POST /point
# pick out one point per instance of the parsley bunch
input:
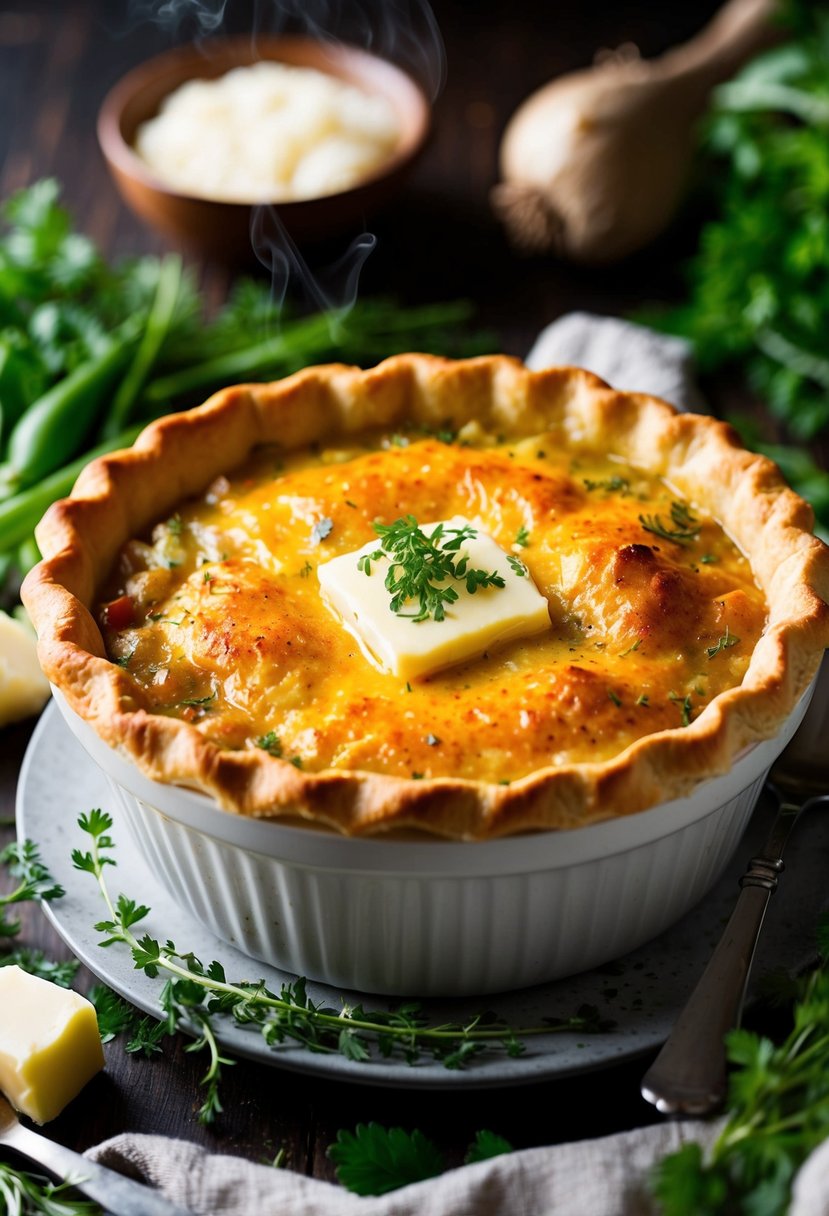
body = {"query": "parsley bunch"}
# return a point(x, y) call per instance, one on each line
point(779, 1113)
point(419, 565)
point(759, 282)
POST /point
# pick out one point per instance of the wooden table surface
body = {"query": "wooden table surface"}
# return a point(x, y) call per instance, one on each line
point(439, 241)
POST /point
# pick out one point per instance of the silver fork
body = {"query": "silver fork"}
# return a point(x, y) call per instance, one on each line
point(119, 1195)
point(689, 1076)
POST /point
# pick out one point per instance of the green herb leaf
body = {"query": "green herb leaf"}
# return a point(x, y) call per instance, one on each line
point(373, 1160)
point(517, 565)
point(522, 537)
point(36, 883)
point(486, 1145)
point(270, 743)
point(725, 643)
point(685, 525)
point(685, 706)
point(612, 485)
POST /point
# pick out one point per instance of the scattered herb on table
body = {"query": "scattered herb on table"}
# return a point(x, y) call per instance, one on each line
point(23, 862)
point(198, 996)
point(373, 1160)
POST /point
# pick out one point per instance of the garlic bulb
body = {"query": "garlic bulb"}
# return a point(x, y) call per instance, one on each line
point(595, 162)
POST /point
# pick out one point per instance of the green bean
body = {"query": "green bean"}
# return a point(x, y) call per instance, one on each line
point(303, 337)
point(156, 330)
point(18, 515)
point(56, 425)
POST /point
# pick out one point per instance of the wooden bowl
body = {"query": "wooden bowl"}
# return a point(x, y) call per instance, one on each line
point(222, 229)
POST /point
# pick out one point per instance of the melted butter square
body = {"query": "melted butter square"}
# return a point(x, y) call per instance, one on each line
point(472, 623)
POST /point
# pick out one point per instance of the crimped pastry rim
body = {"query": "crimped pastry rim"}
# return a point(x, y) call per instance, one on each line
point(119, 494)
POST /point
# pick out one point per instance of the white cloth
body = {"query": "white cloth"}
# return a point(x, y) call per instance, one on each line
point(627, 356)
point(606, 1177)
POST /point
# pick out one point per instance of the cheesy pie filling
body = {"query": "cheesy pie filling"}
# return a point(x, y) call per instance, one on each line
point(219, 618)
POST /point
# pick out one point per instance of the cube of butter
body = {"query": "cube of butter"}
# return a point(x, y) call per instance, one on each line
point(49, 1044)
point(474, 622)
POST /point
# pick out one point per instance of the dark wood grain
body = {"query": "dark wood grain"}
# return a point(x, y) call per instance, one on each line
point(57, 59)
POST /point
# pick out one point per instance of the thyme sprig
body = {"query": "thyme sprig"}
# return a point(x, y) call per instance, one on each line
point(419, 564)
point(686, 526)
point(198, 996)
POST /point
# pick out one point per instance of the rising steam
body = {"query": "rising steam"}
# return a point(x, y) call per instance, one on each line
point(404, 31)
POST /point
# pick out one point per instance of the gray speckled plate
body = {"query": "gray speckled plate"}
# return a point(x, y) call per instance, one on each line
point(642, 992)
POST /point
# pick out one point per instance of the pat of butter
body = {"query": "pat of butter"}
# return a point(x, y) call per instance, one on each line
point(24, 688)
point(409, 648)
point(49, 1044)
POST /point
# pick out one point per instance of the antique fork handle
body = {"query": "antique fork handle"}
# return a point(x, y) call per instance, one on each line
point(688, 1077)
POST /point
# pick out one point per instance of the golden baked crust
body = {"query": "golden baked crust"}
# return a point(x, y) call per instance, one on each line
point(118, 496)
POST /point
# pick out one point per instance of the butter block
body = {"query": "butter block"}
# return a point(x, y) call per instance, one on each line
point(411, 649)
point(49, 1044)
point(24, 688)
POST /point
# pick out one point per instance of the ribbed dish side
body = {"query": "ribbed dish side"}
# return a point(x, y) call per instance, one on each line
point(438, 935)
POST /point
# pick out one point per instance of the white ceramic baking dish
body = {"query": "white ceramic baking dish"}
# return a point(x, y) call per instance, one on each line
point(429, 917)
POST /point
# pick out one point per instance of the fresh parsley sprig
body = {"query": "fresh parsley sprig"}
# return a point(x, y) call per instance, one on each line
point(420, 564)
point(196, 996)
point(374, 1160)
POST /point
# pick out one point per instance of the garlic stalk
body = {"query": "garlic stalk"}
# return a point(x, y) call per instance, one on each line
point(595, 162)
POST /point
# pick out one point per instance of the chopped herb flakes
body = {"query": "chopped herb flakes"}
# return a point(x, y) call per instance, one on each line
point(321, 529)
point(517, 566)
point(725, 643)
point(631, 649)
point(306, 570)
point(615, 698)
point(270, 743)
point(685, 706)
point(685, 528)
point(522, 537)
point(611, 485)
point(199, 702)
point(296, 761)
point(643, 699)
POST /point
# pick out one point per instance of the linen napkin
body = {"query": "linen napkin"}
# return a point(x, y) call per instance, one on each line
point(604, 1177)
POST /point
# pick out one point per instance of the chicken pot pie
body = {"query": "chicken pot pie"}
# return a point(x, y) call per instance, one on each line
point(457, 596)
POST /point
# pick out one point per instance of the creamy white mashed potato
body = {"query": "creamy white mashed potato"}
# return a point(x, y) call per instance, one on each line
point(267, 132)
